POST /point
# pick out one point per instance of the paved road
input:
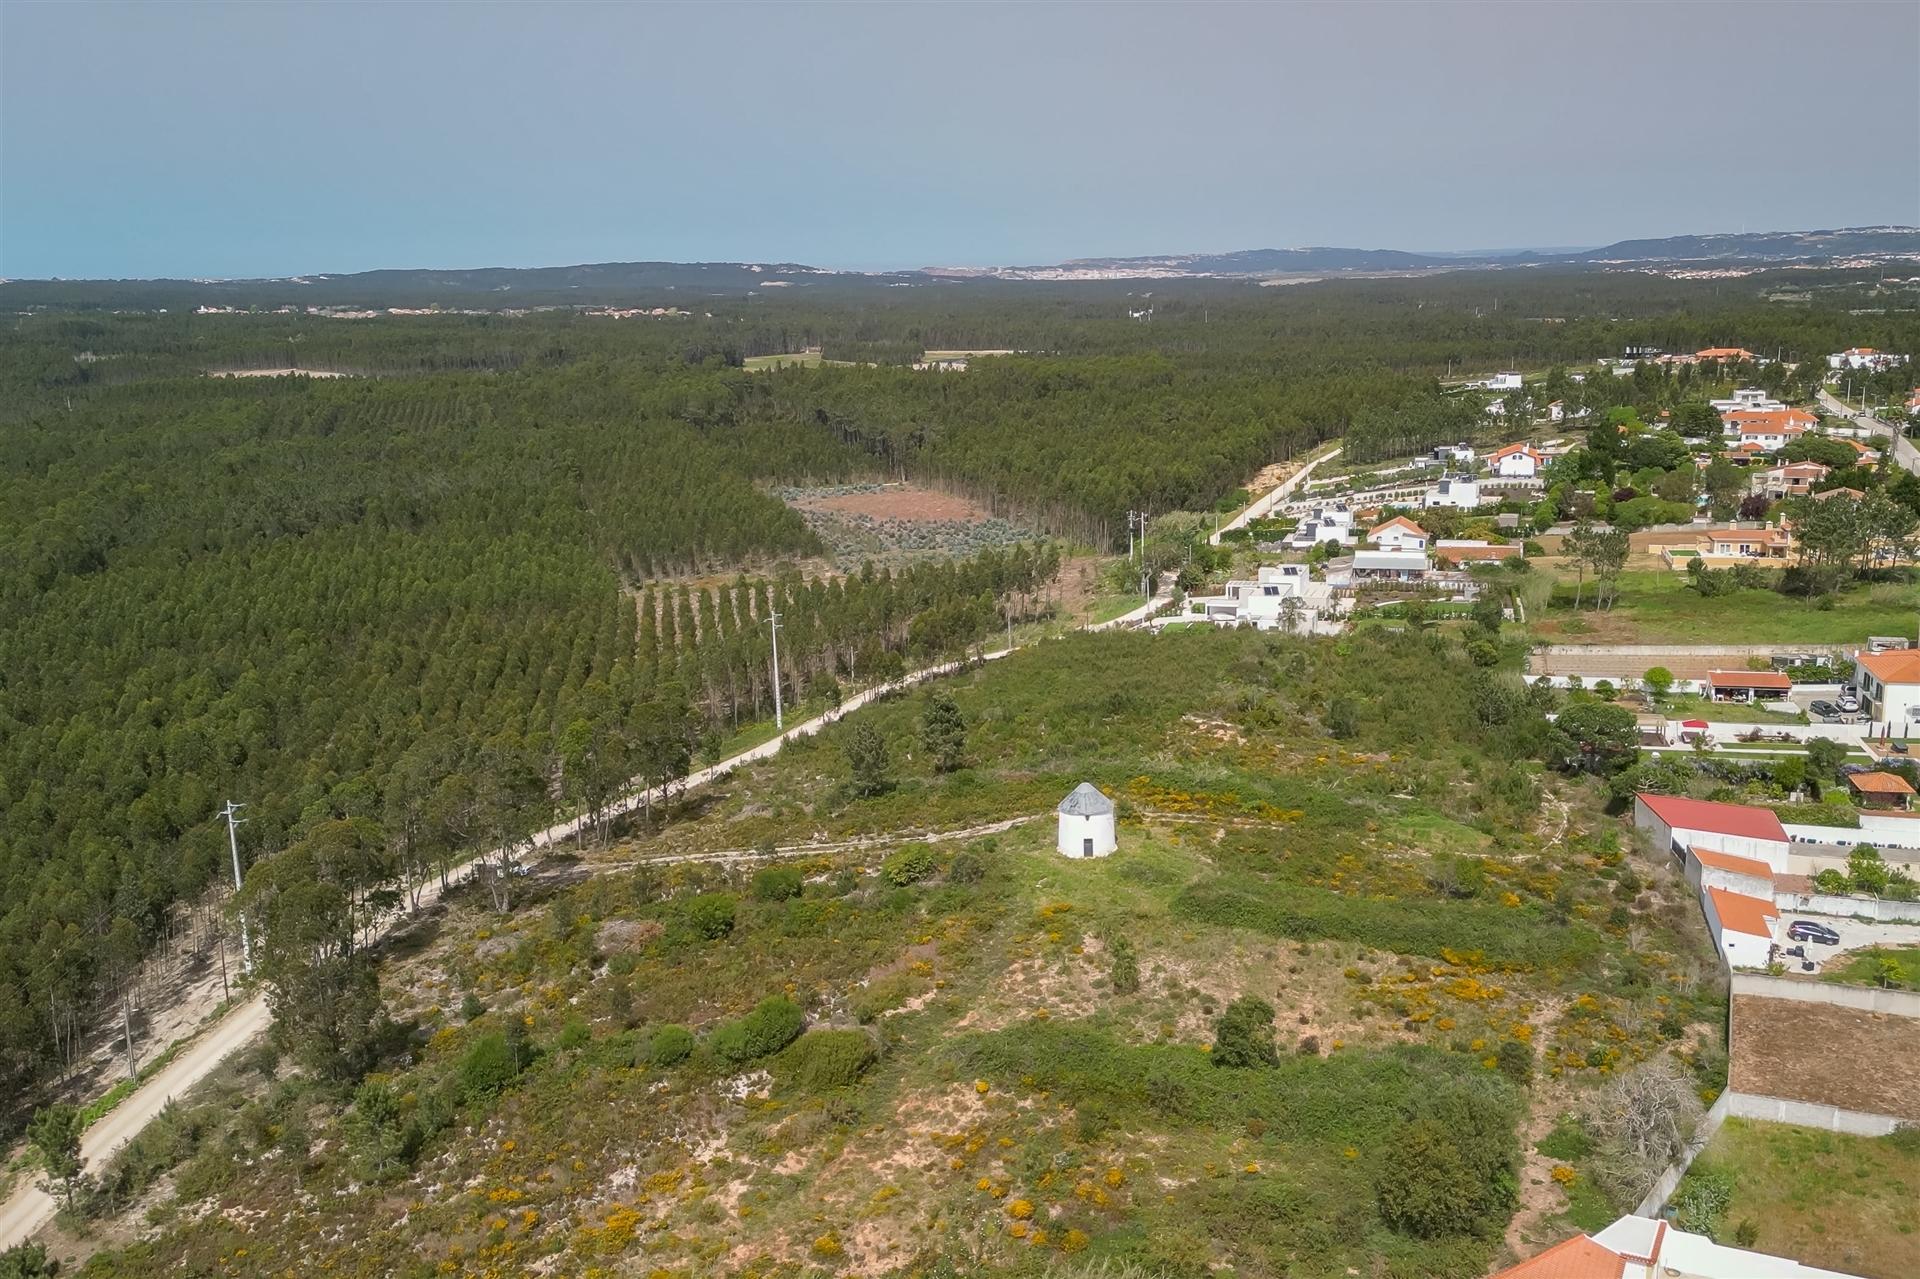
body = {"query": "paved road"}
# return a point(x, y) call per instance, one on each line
point(1261, 505)
point(29, 1208)
point(1905, 455)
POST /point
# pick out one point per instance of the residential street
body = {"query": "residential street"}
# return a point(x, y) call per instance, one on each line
point(1905, 454)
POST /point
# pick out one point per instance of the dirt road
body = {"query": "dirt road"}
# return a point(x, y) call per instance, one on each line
point(1262, 505)
point(30, 1208)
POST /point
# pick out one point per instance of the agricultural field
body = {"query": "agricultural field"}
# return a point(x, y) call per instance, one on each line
point(1827, 1199)
point(833, 1017)
point(888, 523)
point(1661, 607)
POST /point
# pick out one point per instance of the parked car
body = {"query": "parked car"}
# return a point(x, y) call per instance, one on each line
point(1807, 930)
point(1824, 708)
point(1849, 698)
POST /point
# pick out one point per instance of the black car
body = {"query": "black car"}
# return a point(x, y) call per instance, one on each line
point(1824, 708)
point(1807, 930)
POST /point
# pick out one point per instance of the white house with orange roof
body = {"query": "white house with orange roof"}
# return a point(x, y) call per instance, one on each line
point(1649, 1248)
point(1889, 685)
point(1865, 357)
point(1519, 461)
point(1398, 534)
point(1794, 479)
point(1678, 824)
point(1770, 428)
point(1742, 926)
point(1863, 456)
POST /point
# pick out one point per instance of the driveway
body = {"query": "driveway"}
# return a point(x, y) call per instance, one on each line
point(1854, 935)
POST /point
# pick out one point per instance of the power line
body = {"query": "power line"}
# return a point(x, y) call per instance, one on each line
point(234, 820)
point(779, 716)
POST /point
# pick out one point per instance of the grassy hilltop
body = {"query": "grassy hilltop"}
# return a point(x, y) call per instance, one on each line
point(939, 1056)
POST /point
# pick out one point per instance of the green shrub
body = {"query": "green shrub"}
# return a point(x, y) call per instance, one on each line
point(27, 1261)
point(710, 915)
point(884, 994)
point(968, 867)
point(670, 1045)
point(1125, 973)
point(1702, 1199)
point(825, 1059)
point(1516, 1061)
point(908, 865)
point(775, 1022)
point(777, 883)
point(1568, 1141)
point(471, 1007)
point(488, 1068)
point(1450, 1168)
point(575, 1034)
point(1243, 1036)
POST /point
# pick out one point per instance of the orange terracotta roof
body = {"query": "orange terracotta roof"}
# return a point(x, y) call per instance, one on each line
point(1745, 820)
point(1749, 679)
point(1508, 450)
point(1727, 861)
point(1740, 913)
point(1897, 666)
point(1724, 353)
point(1576, 1258)
point(1398, 521)
point(1880, 783)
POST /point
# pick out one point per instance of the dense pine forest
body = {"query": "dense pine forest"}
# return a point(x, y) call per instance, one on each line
point(428, 594)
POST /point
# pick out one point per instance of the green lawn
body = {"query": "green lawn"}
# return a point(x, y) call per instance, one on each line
point(1107, 607)
point(802, 359)
point(1823, 1199)
point(1863, 970)
point(1662, 607)
point(1727, 712)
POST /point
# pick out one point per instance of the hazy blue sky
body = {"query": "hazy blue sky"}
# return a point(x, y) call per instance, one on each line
point(256, 139)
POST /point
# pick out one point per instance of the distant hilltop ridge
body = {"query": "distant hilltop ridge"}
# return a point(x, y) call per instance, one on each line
point(1750, 247)
point(624, 283)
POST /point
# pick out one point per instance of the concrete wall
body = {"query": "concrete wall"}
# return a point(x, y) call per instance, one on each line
point(1805, 1114)
point(1771, 851)
point(1874, 908)
point(1670, 1179)
point(1731, 881)
point(1898, 1003)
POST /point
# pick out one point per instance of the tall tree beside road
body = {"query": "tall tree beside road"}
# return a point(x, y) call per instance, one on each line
point(54, 1133)
point(309, 906)
point(1607, 552)
point(1578, 547)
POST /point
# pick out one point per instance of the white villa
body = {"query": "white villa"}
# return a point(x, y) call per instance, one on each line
point(1864, 357)
point(1261, 602)
point(1748, 399)
point(1326, 524)
point(1455, 490)
point(1516, 461)
point(1398, 534)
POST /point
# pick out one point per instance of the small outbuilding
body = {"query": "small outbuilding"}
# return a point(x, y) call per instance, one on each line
point(1086, 823)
